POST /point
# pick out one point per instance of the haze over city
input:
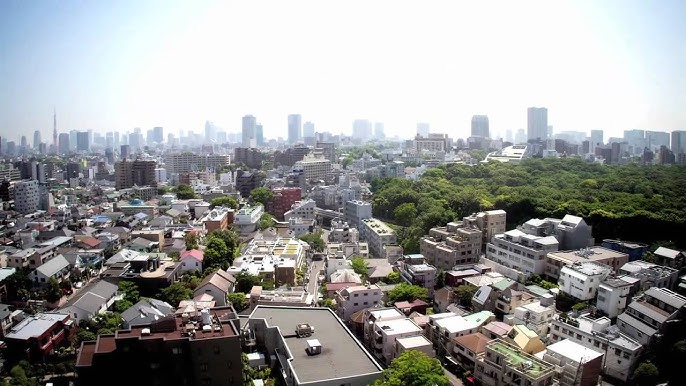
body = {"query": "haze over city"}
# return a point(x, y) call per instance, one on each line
point(610, 65)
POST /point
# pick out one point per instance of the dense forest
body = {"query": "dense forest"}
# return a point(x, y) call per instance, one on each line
point(628, 202)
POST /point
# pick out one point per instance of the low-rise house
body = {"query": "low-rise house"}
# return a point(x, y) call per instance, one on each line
point(417, 305)
point(495, 329)
point(574, 363)
point(97, 300)
point(142, 245)
point(669, 257)
point(597, 333)
point(646, 315)
point(352, 299)
point(37, 336)
point(505, 364)
point(145, 312)
point(22, 258)
point(4, 274)
point(219, 284)
point(536, 315)
point(373, 315)
point(191, 260)
point(525, 339)
point(468, 348)
point(443, 298)
point(443, 328)
point(416, 343)
point(57, 268)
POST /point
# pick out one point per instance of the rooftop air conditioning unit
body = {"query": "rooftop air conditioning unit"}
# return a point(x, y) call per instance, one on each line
point(314, 347)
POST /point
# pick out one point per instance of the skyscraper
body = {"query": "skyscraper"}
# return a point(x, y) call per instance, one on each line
point(294, 128)
point(63, 144)
point(656, 139)
point(210, 132)
point(423, 129)
point(249, 131)
point(678, 142)
point(54, 128)
point(362, 129)
point(308, 130)
point(259, 134)
point(158, 134)
point(537, 123)
point(82, 141)
point(379, 132)
point(480, 126)
point(36, 139)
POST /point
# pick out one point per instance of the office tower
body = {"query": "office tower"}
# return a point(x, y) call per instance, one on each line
point(130, 173)
point(148, 138)
point(259, 134)
point(362, 129)
point(125, 151)
point(116, 143)
point(509, 137)
point(109, 139)
point(54, 128)
point(210, 132)
point(72, 139)
point(308, 129)
point(26, 196)
point(597, 139)
point(42, 148)
point(423, 130)
point(158, 134)
point(135, 141)
point(678, 142)
point(379, 132)
point(82, 141)
point(549, 132)
point(221, 135)
point(480, 126)
point(249, 131)
point(657, 139)
point(520, 137)
point(294, 128)
point(537, 123)
point(36, 139)
point(23, 142)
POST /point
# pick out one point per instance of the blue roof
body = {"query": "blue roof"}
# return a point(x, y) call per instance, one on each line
point(136, 201)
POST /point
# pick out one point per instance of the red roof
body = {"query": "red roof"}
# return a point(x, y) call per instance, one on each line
point(90, 241)
point(338, 286)
point(195, 253)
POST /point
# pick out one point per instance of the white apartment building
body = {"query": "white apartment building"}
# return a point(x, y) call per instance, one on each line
point(385, 333)
point(647, 314)
point(581, 280)
point(353, 299)
point(452, 245)
point(341, 232)
point(521, 251)
point(443, 328)
point(490, 222)
point(414, 270)
point(377, 234)
point(536, 315)
point(299, 226)
point(505, 364)
point(26, 196)
point(554, 261)
point(599, 335)
point(313, 168)
point(248, 217)
point(574, 363)
point(160, 175)
point(612, 296)
point(302, 209)
point(650, 275)
point(356, 211)
point(188, 162)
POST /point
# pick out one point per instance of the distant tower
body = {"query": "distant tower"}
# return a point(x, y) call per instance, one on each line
point(54, 128)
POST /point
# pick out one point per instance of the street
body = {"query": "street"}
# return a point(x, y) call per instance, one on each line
point(313, 270)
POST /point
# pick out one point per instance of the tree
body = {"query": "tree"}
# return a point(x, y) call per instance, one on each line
point(230, 238)
point(130, 290)
point(646, 374)
point(216, 254)
point(440, 279)
point(238, 300)
point(225, 201)
point(191, 239)
point(359, 266)
point(407, 292)
point(84, 336)
point(175, 293)
point(393, 278)
point(18, 286)
point(261, 196)
point(327, 303)
point(266, 221)
point(413, 368)
point(121, 306)
point(53, 292)
point(314, 240)
point(405, 214)
point(465, 293)
point(245, 281)
point(185, 192)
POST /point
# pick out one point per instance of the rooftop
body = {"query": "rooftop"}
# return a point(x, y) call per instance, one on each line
point(574, 351)
point(398, 326)
point(342, 355)
point(587, 254)
point(521, 362)
point(36, 325)
point(413, 342)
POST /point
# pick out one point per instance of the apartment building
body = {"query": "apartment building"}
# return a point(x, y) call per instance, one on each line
point(342, 232)
point(443, 328)
point(651, 275)
point(37, 336)
point(26, 196)
point(446, 247)
point(521, 251)
point(301, 209)
point(536, 315)
point(490, 223)
point(571, 232)
point(574, 363)
point(299, 226)
point(246, 182)
point(597, 333)
point(414, 270)
point(612, 296)
point(138, 172)
point(282, 200)
point(356, 211)
point(377, 234)
point(504, 364)
point(646, 315)
point(582, 279)
point(273, 260)
point(313, 168)
point(554, 261)
point(353, 299)
point(219, 218)
point(385, 334)
point(248, 217)
point(188, 162)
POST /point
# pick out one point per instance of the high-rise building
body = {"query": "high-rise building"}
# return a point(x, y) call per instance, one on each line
point(23, 143)
point(158, 134)
point(596, 140)
point(423, 129)
point(480, 126)
point(308, 130)
point(259, 134)
point(210, 132)
point(82, 141)
point(138, 172)
point(537, 123)
point(657, 139)
point(362, 129)
point(26, 197)
point(135, 141)
point(379, 132)
point(294, 128)
point(125, 151)
point(54, 129)
point(72, 139)
point(36, 139)
point(678, 142)
point(249, 131)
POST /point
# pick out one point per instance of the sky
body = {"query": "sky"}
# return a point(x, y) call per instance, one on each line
point(116, 65)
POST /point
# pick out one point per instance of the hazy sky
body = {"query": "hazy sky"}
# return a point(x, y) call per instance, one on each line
point(116, 65)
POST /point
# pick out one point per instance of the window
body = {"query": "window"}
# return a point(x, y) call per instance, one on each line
point(355, 295)
point(177, 350)
point(354, 304)
point(203, 367)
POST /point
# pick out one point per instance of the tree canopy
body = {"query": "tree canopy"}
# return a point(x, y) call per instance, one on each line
point(175, 293)
point(408, 292)
point(413, 368)
point(185, 192)
point(646, 374)
point(221, 248)
point(266, 221)
point(261, 195)
point(226, 201)
point(359, 265)
point(315, 240)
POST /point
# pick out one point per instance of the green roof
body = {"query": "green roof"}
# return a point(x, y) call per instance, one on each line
point(536, 290)
point(479, 317)
point(520, 361)
point(503, 284)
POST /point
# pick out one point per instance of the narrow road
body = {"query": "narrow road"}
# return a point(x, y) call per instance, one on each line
point(313, 270)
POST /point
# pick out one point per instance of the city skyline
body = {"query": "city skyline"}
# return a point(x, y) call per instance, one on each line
point(610, 65)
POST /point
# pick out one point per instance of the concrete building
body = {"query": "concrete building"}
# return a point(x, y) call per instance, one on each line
point(199, 349)
point(219, 218)
point(571, 232)
point(301, 209)
point(648, 314)
point(38, 336)
point(480, 126)
point(520, 251)
point(387, 332)
point(490, 223)
point(452, 245)
point(510, 154)
point(248, 217)
point(443, 328)
point(249, 156)
point(341, 232)
point(313, 168)
point(273, 260)
point(574, 363)
point(356, 298)
point(537, 123)
point(504, 364)
point(633, 249)
point(187, 162)
point(612, 296)
point(582, 279)
point(294, 128)
point(26, 196)
point(282, 200)
point(554, 261)
point(621, 351)
point(138, 172)
point(327, 354)
point(356, 211)
point(651, 275)
point(535, 315)
point(414, 270)
point(299, 226)
point(377, 234)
